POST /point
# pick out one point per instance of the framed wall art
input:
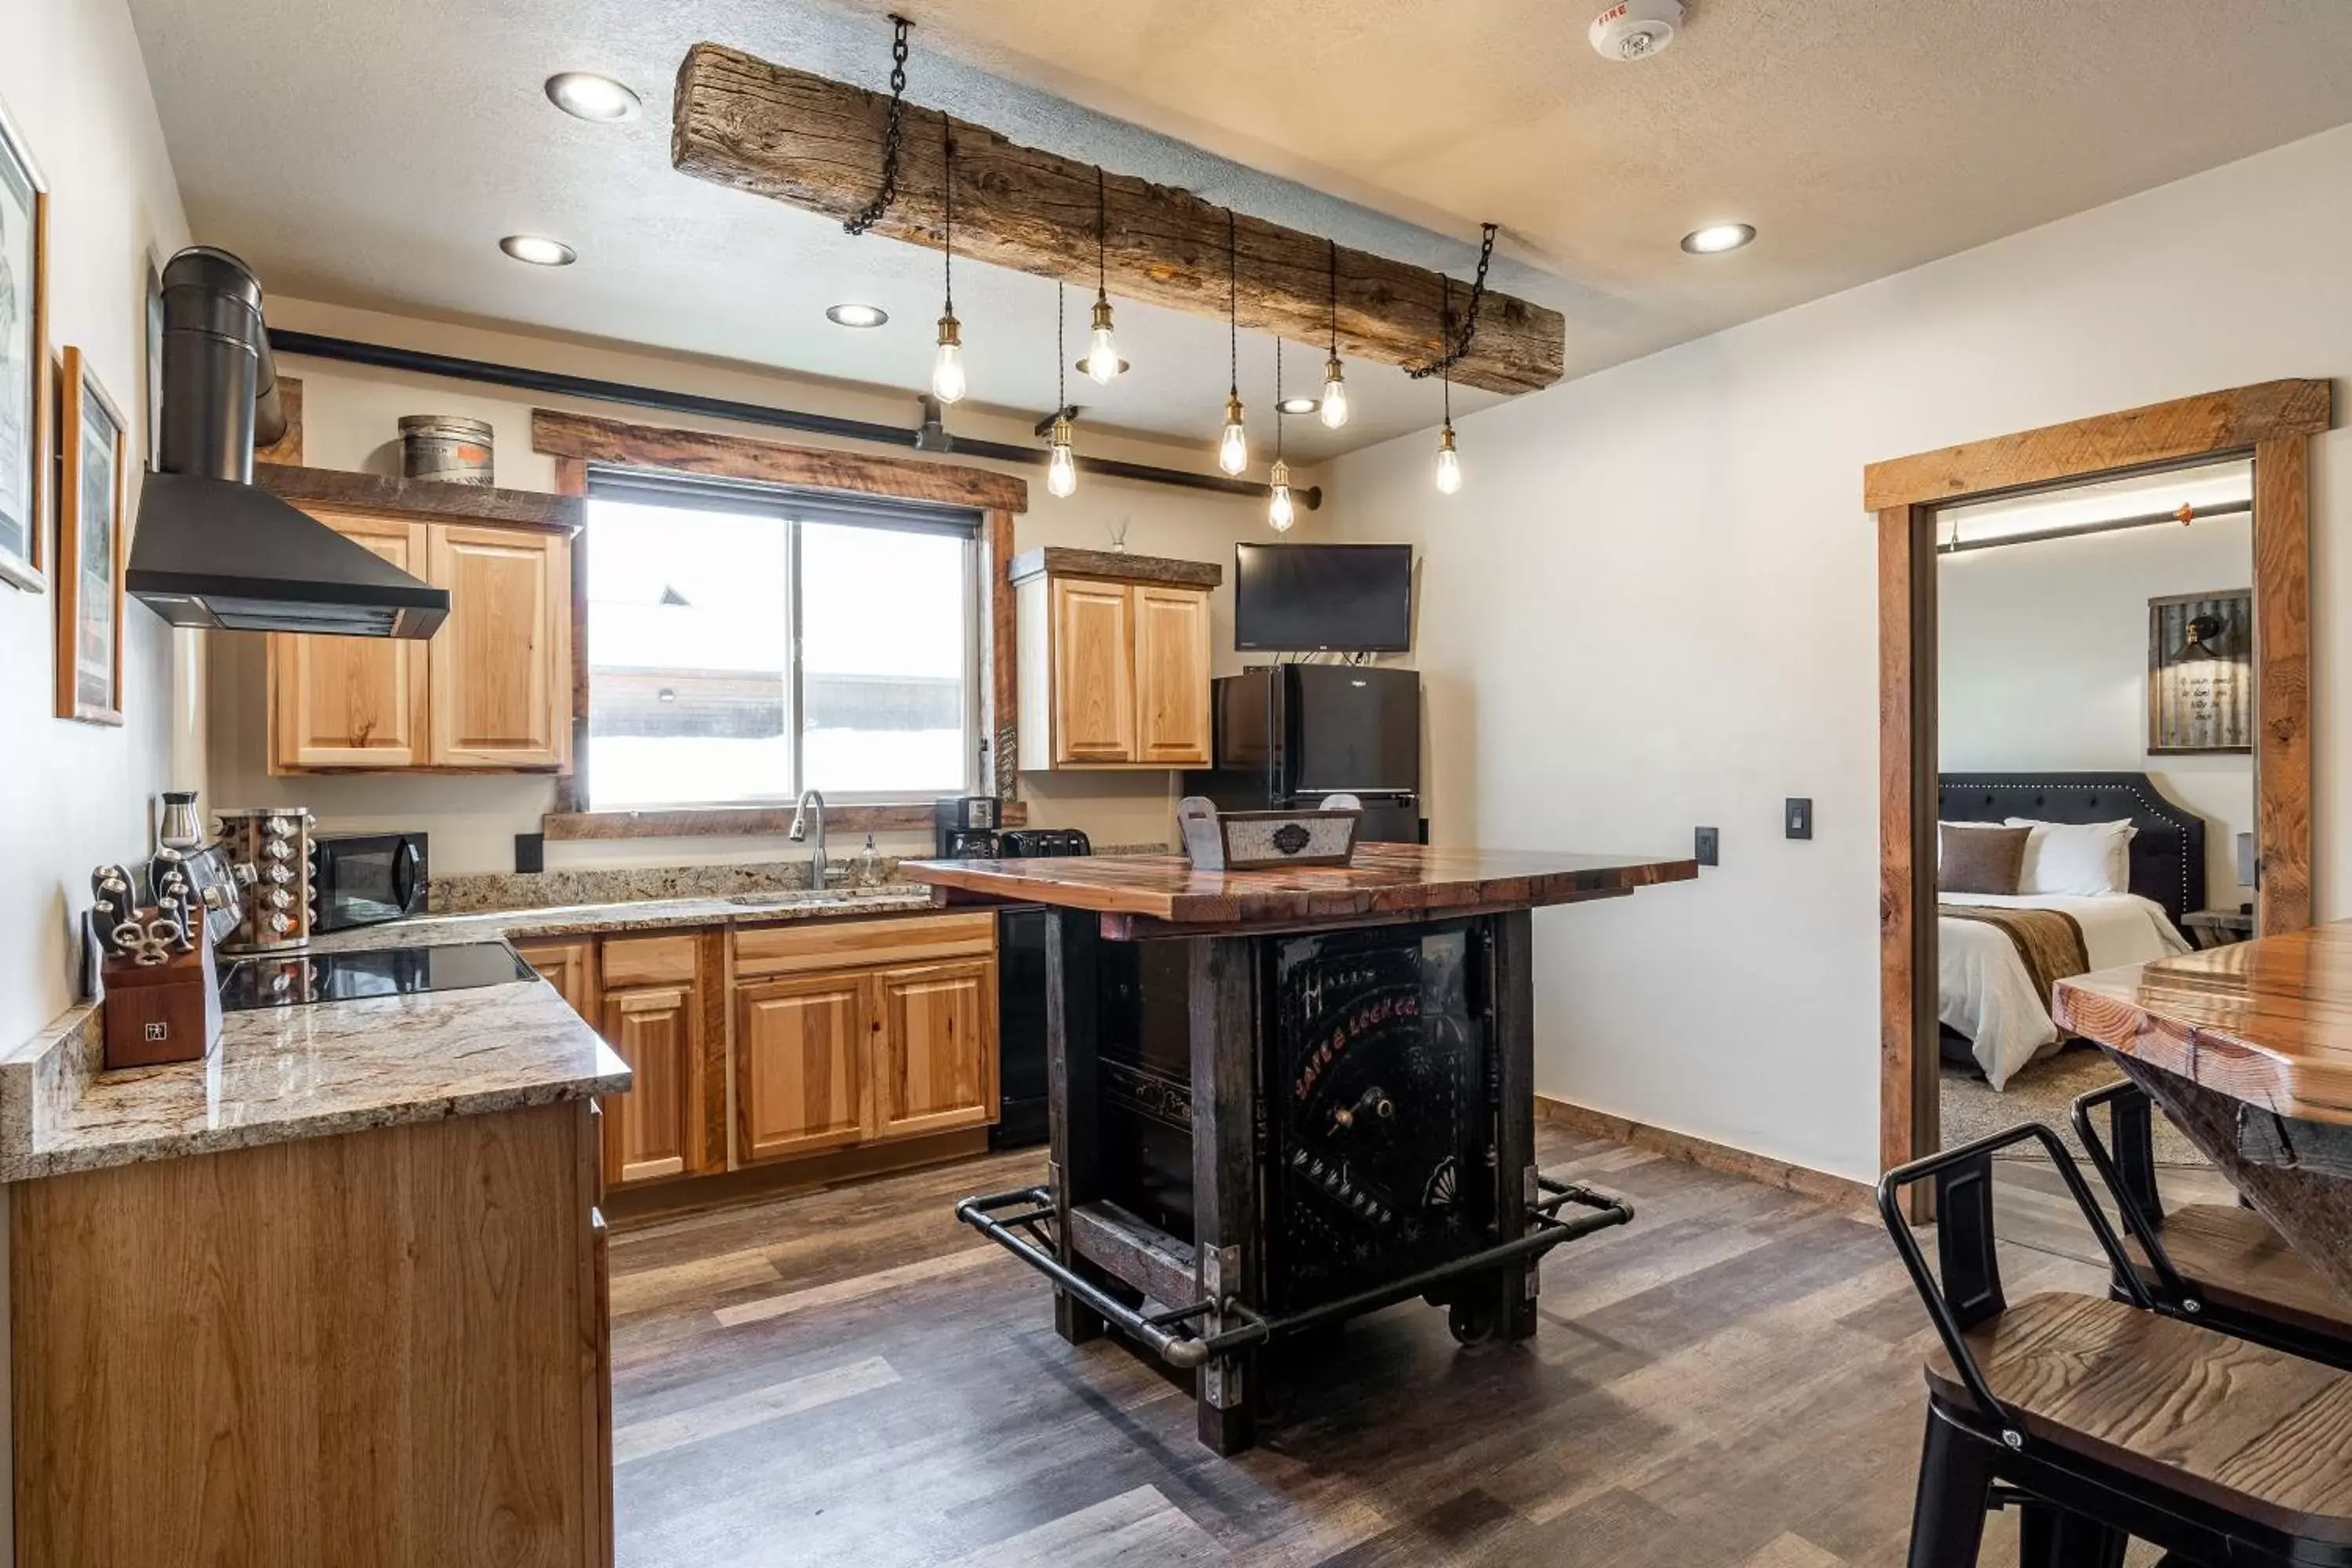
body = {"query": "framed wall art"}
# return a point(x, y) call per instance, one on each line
point(24, 439)
point(2201, 672)
point(94, 444)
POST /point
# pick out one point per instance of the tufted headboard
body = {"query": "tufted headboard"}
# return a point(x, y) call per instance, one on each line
point(2168, 853)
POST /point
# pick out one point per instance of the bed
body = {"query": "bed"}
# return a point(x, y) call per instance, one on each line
point(1993, 1013)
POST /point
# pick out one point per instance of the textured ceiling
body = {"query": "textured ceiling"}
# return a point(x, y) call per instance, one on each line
point(372, 153)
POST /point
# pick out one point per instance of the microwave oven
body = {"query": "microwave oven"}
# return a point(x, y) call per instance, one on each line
point(366, 878)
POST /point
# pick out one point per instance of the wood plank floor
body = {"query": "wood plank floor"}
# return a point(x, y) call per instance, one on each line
point(1731, 1382)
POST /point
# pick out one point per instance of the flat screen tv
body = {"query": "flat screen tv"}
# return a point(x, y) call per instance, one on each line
point(1305, 598)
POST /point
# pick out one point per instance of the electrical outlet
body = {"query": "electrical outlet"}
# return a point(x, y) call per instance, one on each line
point(1705, 842)
point(1801, 817)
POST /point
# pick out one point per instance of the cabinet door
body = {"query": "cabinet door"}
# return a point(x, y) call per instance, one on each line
point(570, 967)
point(935, 1047)
point(802, 1078)
point(501, 663)
point(1094, 673)
point(352, 703)
point(648, 1131)
point(1171, 676)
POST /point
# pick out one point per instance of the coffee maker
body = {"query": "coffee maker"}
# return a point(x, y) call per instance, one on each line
point(963, 828)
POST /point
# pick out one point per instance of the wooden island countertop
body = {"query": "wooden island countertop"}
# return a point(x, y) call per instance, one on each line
point(1144, 895)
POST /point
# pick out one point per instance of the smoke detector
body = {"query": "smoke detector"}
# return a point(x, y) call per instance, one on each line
point(1636, 29)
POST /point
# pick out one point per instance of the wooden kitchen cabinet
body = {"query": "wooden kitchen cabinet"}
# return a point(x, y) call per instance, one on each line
point(1171, 676)
point(491, 690)
point(934, 1047)
point(803, 1064)
point(1115, 654)
point(651, 1013)
point(353, 703)
point(649, 1131)
point(498, 688)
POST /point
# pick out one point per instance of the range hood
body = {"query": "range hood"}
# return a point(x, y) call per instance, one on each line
point(210, 549)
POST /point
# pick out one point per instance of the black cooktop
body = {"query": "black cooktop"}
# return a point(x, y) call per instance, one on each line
point(293, 980)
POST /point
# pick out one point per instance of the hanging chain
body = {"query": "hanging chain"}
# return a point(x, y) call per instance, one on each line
point(889, 191)
point(1102, 237)
point(1469, 315)
point(1061, 387)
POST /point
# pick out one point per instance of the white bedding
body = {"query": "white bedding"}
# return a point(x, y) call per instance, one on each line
point(1986, 992)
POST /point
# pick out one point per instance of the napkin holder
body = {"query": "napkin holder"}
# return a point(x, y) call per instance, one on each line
point(1264, 840)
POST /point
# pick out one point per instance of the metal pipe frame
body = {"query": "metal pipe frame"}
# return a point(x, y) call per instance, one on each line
point(1186, 1350)
point(416, 362)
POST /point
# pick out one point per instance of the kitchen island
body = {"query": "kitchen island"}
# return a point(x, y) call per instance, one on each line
point(1283, 1097)
point(334, 1294)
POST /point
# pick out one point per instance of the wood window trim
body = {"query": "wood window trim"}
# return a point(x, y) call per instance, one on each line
point(575, 440)
point(2270, 422)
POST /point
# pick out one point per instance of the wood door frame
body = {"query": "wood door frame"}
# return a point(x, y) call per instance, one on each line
point(2271, 423)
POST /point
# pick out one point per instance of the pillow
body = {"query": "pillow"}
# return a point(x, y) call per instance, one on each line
point(1939, 834)
point(1978, 859)
point(2084, 859)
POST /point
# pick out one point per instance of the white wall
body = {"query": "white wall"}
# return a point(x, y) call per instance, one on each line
point(2042, 664)
point(1654, 605)
point(72, 796)
point(350, 416)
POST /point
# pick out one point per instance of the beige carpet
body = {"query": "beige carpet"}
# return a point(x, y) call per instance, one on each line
point(2044, 1092)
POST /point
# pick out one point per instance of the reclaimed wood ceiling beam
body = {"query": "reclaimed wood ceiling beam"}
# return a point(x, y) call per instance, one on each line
point(817, 144)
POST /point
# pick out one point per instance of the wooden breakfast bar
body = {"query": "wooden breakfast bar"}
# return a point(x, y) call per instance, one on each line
point(1283, 1097)
point(2250, 1049)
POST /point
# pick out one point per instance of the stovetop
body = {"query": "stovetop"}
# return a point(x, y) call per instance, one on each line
point(294, 980)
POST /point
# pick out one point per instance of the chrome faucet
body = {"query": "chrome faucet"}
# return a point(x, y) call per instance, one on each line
point(798, 834)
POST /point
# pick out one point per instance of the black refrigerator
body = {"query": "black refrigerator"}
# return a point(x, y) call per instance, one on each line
point(1289, 734)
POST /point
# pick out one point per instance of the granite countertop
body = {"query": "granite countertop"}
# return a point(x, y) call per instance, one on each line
point(284, 1073)
point(632, 915)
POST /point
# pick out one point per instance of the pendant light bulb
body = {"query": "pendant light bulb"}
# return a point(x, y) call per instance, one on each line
point(1449, 464)
point(947, 368)
point(1102, 353)
point(1279, 512)
point(1232, 448)
point(1334, 394)
point(1061, 467)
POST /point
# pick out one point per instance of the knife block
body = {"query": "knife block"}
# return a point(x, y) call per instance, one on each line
point(168, 1012)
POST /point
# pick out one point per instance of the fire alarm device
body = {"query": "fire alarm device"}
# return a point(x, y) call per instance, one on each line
point(1636, 29)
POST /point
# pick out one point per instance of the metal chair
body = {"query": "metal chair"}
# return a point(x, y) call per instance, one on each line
point(2106, 1420)
point(2222, 1267)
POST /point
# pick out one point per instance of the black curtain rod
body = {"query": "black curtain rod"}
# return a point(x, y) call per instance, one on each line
point(312, 345)
point(2075, 530)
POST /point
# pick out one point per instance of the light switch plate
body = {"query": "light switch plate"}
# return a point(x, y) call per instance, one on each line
point(1704, 844)
point(1800, 817)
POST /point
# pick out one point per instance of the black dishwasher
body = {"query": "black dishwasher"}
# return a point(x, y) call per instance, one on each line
point(1022, 1118)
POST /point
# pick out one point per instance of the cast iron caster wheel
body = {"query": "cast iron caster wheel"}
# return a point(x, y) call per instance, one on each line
point(1472, 1322)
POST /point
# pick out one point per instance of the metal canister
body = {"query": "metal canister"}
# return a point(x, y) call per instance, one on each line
point(445, 449)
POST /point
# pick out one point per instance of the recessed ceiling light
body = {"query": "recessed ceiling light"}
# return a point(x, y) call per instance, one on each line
point(1297, 406)
point(1123, 366)
point(856, 315)
point(584, 95)
point(1717, 237)
point(539, 251)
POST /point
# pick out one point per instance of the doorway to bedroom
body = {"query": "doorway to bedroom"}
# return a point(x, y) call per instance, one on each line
point(2094, 782)
point(2028, 527)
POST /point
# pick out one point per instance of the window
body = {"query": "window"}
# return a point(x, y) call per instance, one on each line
point(746, 642)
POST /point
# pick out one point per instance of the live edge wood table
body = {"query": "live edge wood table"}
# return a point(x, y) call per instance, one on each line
point(1280, 1098)
point(2249, 1048)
